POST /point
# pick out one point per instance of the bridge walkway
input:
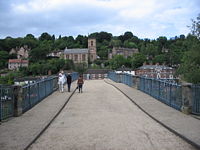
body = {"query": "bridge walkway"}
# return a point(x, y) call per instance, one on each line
point(99, 118)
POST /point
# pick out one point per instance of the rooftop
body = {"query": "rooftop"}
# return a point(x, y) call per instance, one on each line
point(154, 67)
point(76, 51)
point(17, 61)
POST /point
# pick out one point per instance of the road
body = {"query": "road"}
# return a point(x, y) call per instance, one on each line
point(102, 118)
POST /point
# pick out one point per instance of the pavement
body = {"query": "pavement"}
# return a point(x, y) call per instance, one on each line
point(185, 126)
point(101, 118)
point(18, 132)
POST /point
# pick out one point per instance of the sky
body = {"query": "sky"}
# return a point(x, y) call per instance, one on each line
point(144, 18)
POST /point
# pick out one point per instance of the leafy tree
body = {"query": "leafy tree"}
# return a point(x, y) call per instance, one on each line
point(30, 41)
point(115, 43)
point(127, 35)
point(129, 44)
point(45, 36)
point(3, 59)
point(137, 60)
point(159, 59)
point(195, 28)
point(82, 41)
point(117, 61)
point(190, 68)
point(40, 52)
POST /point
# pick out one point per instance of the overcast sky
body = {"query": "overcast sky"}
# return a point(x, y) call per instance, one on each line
point(144, 18)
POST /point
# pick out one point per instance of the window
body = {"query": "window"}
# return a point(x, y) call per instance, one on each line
point(83, 57)
point(67, 56)
point(76, 57)
point(92, 43)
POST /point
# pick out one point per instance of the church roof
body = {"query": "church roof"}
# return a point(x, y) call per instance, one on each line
point(76, 51)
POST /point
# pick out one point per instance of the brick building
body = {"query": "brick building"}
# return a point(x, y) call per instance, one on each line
point(155, 71)
point(15, 64)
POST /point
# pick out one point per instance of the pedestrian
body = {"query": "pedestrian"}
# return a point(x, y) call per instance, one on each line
point(80, 83)
point(69, 81)
point(61, 81)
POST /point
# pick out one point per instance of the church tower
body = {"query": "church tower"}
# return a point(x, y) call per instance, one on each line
point(92, 49)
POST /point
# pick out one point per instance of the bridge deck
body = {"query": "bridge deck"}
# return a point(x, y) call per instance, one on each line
point(99, 118)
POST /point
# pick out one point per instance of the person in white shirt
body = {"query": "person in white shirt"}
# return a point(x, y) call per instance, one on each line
point(61, 81)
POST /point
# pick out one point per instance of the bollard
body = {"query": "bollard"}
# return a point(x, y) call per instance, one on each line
point(18, 97)
point(186, 98)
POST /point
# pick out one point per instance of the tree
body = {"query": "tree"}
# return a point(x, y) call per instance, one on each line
point(4, 59)
point(129, 44)
point(159, 59)
point(190, 68)
point(115, 43)
point(117, 61)
point(40, 52)
point(45, 36)
point(137, 60)
point(128, 35)
point(195, 28)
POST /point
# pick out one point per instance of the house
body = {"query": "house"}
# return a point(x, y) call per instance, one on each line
point(22, 52)
point(155, 71)
point(15, 64)
point(126, 52)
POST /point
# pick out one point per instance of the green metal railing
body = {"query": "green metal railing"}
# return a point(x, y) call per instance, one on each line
point(6, 101)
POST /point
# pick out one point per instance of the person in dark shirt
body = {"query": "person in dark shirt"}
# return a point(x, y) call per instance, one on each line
point(80, 83)
point(69, 81)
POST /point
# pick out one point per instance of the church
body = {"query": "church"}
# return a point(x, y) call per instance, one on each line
point(82, 55)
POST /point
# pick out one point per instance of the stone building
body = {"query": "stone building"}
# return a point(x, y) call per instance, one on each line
point(15, 64)
point(155, 71)
point(22, 52)
point(122, 51)
point(80, 55)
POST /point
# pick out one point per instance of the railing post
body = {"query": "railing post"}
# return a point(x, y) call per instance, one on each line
point(186, 98)
point(137, 82)
point(18, 97)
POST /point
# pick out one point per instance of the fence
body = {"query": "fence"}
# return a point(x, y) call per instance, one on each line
point(122, 78)
point(29, 95)
point(164, 90)
point(35, 92)
point(196, 99)
point(6, 102)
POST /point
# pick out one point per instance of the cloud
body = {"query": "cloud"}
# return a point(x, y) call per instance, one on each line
point(145, 18)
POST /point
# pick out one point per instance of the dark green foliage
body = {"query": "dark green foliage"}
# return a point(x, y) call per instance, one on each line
point(3, 59)
point(190, 67)
point(137, 60)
